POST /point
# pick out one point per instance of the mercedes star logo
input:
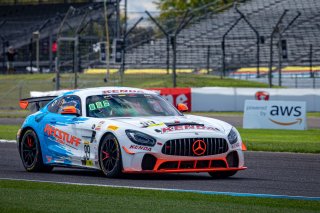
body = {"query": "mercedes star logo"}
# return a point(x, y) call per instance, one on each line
point(199, 147)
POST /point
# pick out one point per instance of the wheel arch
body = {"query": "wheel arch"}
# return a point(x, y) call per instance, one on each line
point(104, 136)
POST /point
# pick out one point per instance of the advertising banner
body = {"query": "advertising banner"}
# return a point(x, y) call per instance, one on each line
point(176, 95)
point(274, 115)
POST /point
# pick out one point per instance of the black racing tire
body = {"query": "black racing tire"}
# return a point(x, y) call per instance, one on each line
point(30, 153)
point(222, 175)
point(110, 156)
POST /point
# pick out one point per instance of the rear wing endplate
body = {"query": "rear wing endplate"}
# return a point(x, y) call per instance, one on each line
point(38, 102)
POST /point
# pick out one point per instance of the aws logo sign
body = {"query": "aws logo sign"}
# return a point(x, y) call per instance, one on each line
point(279, 112)
point(274, 115)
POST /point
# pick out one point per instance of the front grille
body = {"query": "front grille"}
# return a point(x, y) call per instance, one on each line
point(183, 147)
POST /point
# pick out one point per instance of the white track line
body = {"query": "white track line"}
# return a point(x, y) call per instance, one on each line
point(7, 141)
point(236, 194)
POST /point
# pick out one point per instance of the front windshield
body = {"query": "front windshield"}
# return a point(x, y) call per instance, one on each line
point(128, 105)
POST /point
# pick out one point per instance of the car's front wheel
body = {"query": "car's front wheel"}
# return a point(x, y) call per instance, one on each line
point(30, 152)
point(221, 175)
point(110, 156)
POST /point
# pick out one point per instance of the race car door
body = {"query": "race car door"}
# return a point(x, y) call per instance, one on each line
point(60, 132)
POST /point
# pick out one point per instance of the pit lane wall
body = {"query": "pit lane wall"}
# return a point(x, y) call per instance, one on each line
point(233, 99)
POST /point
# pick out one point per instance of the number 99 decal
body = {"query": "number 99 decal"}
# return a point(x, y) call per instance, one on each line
point(86, 149)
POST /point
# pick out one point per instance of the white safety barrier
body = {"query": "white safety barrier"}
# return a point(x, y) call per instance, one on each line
point(233, 99)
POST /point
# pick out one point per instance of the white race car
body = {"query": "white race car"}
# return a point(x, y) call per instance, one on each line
point(125, 130)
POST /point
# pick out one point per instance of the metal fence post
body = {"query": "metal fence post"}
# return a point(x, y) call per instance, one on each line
point(258, 39)
point(31, 54)
point(57, 68)
point(311, 72)
point(76, 61)
point(3, 48)
point(279, 60)
point(208, 59)
point(275, 29)
point(167, 37)
point(224, 48)
point(122, 69)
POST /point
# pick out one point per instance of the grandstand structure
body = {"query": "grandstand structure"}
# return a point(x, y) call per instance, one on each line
point(19, 20)
point(239, 39)
point(200, 44)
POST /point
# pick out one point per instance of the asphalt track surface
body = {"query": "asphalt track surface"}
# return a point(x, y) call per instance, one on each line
point(267, 173)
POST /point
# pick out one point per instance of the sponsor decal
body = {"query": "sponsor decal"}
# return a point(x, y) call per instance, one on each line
point(176, 95)
point(99, 105)
point(298, 120)
point(262, 95)
point(98, 127)
point(199, 147)
point(121, 91)
point(159, 124)
point(86, 149)
point(286, 111)
point(150, 124)
point(112, 128)
point(87, 162)
point(61, 137)
point(144, 148)
point(275, 115)
point(186, 127)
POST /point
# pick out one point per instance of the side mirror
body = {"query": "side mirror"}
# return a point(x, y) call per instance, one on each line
point(70, 110)
point(182, 108)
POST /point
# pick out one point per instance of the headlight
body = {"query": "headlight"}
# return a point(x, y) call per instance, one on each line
point(140, 138)
point(233, 136)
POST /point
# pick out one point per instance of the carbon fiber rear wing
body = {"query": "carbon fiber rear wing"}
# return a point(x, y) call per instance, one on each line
point(38, 102)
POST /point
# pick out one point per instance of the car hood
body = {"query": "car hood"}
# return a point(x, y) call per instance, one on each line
point(174, 124)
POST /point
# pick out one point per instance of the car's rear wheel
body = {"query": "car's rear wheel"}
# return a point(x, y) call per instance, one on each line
point(110, 157)
point(30, 152)
point(221, 175)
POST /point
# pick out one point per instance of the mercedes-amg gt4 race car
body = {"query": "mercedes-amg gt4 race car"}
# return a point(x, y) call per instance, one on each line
point(125, 130)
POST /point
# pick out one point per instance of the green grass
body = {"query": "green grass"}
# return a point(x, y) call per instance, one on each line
point(21, 196)
point(313, 114)
point(15, 87)
point(8, 132)
point(307, 141)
